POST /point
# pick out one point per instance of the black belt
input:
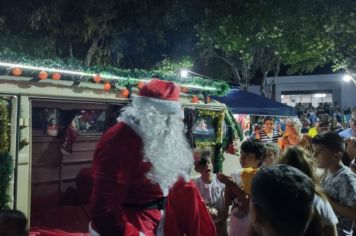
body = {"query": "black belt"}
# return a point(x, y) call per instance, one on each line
point(158, 204)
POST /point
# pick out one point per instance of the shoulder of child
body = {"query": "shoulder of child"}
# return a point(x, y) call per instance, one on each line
point(348, 185)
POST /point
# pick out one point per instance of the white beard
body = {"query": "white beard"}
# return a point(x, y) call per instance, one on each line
point(164, 142)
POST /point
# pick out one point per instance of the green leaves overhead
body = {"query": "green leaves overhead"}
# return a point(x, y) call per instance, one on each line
point(257, 34)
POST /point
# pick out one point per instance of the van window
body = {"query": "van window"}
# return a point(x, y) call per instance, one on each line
point(54, 121)
point(64, 137)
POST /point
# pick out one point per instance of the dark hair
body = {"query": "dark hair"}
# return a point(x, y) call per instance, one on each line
point(13, 222)
point(205, 157)
point(331, 140)
point(284, 196)
point(254, 146)
point(268, 118)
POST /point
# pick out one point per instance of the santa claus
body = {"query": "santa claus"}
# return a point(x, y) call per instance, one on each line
point(138, 161)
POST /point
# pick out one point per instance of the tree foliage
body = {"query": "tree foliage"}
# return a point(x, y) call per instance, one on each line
point(129, 34)
point(231, 40)
point(259, 35)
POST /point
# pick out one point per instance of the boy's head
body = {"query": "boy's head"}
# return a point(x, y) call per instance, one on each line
point(203, 165)
point(281, 200)
point(13, 223)
point(328, 149)
point(252, 154)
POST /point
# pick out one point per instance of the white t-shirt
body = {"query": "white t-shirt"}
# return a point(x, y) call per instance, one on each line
point(239, 221)
point(324, 209)
point(213, 193)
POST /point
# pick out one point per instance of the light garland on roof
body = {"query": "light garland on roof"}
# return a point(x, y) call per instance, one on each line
point(80, 73)
point(20, 64)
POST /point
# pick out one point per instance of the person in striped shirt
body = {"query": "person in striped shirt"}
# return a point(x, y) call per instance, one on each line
point(268, 134)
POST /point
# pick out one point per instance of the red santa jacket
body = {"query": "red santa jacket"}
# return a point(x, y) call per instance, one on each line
point(186, 213)
point(119, 180)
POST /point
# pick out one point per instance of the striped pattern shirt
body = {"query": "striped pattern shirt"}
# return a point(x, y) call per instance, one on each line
point(269, 139)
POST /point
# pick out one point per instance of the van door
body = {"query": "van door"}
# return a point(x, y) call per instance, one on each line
point(63, 140)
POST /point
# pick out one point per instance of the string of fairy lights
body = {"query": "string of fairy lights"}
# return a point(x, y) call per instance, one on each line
point(108, 79)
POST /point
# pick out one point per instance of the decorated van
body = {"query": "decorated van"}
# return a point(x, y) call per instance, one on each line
point(51, 120)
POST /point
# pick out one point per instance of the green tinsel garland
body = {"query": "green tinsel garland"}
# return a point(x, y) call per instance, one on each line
point(5, 159)
point(234, 132)
point(4, 127)
point(230, 121)
point(218, 158)
point(5, 178)
point(130, 77)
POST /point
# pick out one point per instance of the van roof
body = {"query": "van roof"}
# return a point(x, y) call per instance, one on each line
point(68, 90)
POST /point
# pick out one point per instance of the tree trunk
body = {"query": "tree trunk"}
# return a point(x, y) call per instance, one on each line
point(92, 49)
point(70, 51)
point(245, 80)
point(263, 83)
point(276, 73)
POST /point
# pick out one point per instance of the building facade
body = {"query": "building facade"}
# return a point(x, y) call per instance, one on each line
point(315, 89)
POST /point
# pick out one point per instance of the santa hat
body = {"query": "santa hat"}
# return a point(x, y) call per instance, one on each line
point(162, 95)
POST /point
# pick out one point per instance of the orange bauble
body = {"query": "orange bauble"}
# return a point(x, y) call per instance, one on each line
point(97, 79)
point(125, 93)
point(56, 76)
point(184, 89)
point(43, 75)
point(140, 84)
point(16, 71)
point(195, 99)
point(107, 87)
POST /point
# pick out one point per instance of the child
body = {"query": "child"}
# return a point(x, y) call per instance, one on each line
point(339, 182)
point(300, 159)
point(282, 203)
point(272, 152)
point(13, 223)
point(212, 191)
point(238, 186)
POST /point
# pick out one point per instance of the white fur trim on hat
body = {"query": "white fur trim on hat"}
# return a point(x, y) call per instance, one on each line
point(165, 106)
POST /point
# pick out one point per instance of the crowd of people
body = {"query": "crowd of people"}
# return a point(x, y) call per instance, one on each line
point(142, 185)
point(289, 143)
point(337, 117)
